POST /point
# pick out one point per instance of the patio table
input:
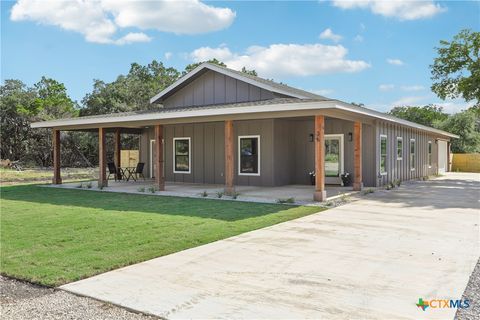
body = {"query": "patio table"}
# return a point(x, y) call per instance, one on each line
point(128, 172)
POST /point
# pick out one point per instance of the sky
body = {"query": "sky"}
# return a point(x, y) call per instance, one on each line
point(372, 52)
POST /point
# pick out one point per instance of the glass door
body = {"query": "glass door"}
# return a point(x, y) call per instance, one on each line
point(333, 158)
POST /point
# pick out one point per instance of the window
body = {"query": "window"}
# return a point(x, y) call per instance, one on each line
point(429, 154)
point(181, 155)
point(412, 154)
point(383, 154)
point(399, 148)
point(249, 155)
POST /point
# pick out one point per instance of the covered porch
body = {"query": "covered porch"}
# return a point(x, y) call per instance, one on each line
point(299, 194)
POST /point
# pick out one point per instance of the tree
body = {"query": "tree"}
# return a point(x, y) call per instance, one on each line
point(425, 115)
point(466, 125)
point(192, 66)
point(129, 92)
point(456, 70)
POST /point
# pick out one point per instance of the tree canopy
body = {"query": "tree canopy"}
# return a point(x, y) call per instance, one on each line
point(425, 115)
point(456, 70)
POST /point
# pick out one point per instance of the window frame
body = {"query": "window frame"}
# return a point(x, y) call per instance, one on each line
point(240, 173)
point(399, 139)
point(429, 153)
point(189, 155)
point(412, 163)
point(384, 173)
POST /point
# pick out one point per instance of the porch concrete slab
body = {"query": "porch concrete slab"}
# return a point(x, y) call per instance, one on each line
point(372, 258)
point(303, 194)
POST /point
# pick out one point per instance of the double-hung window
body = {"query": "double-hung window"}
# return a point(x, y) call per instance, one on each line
point(383, 154)
point(399, 148)
point(249, 155)
point(412, 154)
point(181, 155)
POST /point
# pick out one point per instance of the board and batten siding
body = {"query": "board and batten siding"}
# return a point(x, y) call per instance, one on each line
point(208, 151)
point(215, 88)
point(400, 169)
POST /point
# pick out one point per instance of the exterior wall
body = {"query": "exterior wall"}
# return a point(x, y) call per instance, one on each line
point(400, 169)
point(215, 88)
point(208, 151)
point(295, 154)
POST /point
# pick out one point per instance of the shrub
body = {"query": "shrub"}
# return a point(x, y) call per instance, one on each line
point(89, 185)
point(141, 189)
point(397, 182)
point(287, 200)
point(204, 194)
point(367, 191)
point(235, 195)
point(152, 189)
point(80, 186)
point(220, 194)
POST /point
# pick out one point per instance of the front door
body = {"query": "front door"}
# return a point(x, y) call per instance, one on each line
point(333, 158)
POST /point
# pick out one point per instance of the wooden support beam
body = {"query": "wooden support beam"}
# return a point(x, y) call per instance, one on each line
point(116, 152)
point(159, 164)
point(320, 193)
point(57, 179)
point(357, 156)
point(102, 159)
point(229, 156)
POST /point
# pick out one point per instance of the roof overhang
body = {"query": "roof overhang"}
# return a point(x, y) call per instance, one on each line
point(331, 108)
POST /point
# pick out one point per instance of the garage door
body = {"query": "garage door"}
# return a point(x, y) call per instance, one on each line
point(442, 157)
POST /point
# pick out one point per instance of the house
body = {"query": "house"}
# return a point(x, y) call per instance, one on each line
point(220, 126)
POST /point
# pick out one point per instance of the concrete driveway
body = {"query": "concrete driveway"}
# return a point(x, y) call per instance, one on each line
point(372, 258)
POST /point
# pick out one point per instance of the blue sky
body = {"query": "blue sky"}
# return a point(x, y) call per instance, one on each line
point(376, 53)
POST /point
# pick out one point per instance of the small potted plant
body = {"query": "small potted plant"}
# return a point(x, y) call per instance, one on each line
point(346, 179)
point(312, 177)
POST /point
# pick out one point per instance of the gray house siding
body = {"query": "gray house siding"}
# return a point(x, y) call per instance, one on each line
point(215, 88)
point(287, 154)
point(401, 169)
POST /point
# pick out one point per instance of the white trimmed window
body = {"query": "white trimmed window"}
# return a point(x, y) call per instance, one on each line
point(383, 154)
point(182, 155)
point(412, 154)
point(249, 155)
point(399, 148)
point(429, 154)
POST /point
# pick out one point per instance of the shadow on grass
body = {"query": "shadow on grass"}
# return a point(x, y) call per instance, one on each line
point(204, 208)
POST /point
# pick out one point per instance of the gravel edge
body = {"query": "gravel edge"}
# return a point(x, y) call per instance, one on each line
point(472, 293)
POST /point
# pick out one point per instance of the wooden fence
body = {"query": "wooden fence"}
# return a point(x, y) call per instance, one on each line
point(466, 162)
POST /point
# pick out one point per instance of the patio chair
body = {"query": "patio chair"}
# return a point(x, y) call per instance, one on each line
point(112, 169)
point(139, 171)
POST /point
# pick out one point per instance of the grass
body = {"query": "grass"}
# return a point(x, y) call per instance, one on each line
point(54, 236)
point(10, 176)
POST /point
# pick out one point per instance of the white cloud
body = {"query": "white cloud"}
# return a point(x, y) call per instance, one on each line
point(400, 9)
point(395, 62)
point(285, 59)
point(358, 38)
point(410, 100)
point(328, 34)
point(412, 88)
point(133, 37)
point(454, 106)
point(168, 55)
point(386, 87)
point(99, 21)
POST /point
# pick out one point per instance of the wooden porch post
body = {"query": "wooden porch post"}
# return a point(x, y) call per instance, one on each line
point(229, 156)
point(102, 159)
point(357, 156)
point(116, 153)
point(57, 179)
point(320, 193)
point(159, 178)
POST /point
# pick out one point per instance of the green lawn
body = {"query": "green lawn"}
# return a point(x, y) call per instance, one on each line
point(54, 236)
point(9, 176)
